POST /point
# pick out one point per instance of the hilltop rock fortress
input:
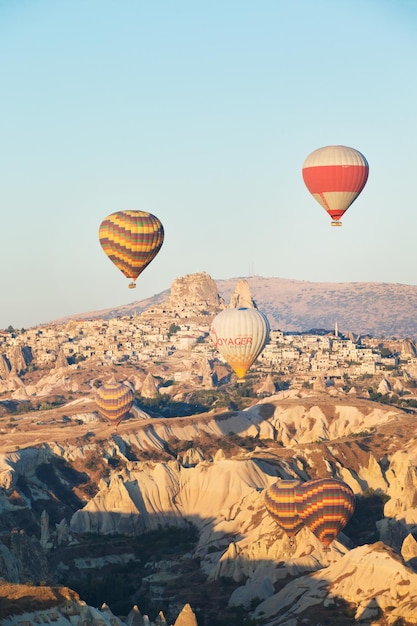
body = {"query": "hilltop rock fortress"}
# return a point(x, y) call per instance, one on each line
point(194, 290)
point(191, 295)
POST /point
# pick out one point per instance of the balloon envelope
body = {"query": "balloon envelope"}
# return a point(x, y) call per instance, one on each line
point(131, 240)
point(280, 503)
point(325, 505)
point(114, 400)
point(240, 336)
point(335, 176)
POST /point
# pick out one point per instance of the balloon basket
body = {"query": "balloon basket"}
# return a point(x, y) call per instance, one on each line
point(336, 223)
point(132, 285)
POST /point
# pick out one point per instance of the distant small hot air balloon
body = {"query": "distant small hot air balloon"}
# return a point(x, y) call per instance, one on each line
point(131, 240)
point(240, 336)
point(335, 176)
point(280, 503)
point(114, 400)
point(325, 506)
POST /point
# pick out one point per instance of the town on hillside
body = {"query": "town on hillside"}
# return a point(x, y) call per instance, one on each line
point(167, 349)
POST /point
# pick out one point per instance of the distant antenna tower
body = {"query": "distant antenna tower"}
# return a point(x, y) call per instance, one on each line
point(251, 268)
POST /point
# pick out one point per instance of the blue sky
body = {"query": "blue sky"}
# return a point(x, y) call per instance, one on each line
point(201, 113)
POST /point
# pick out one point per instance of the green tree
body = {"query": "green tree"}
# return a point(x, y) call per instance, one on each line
point(174, 328)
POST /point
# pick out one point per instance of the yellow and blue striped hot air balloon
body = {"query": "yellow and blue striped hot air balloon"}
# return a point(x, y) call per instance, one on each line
point(280, 503)
point(114, 400)
point(325, 505)
point(131, 240)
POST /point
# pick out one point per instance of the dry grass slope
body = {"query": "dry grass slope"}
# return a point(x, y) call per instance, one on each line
point(17, 599)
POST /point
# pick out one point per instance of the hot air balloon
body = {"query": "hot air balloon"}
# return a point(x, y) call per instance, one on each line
point(114, 400)
point(325, 506)
point(240, 336)
point(280, 503)
point(131, 240)
point(335, 176)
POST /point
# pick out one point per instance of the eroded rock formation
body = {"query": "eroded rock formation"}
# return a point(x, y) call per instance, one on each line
point(194, 291)
point(241, 297)
point(371, 447)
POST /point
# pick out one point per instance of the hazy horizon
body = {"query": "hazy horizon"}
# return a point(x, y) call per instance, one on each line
point(292, 305)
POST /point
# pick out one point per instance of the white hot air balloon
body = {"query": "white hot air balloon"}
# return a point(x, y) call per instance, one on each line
point(240, 336)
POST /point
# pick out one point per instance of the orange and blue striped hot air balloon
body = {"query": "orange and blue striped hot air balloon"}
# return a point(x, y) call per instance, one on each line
point(325, 505)
point(114, 400)
point(280, 503)
point(335, 176)
point(131, 240)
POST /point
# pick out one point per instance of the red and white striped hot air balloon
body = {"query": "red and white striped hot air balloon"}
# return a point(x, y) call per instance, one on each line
point(335, 176)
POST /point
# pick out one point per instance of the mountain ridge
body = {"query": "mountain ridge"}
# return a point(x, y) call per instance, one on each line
point(366, 308)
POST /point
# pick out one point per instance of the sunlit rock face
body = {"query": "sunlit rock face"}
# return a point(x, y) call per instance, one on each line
point(19, 359)
point(409, 551)
point(148, 495)
point(241, 297)
point(266, 387)
point(372, 578)
point(21, 463)
point(186, 617)
point(5, 367)
point(402, 479)
point(194, 290)
point(61, 360)
point(149, 387)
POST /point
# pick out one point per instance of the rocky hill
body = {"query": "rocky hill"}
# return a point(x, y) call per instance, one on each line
point(378, 309)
